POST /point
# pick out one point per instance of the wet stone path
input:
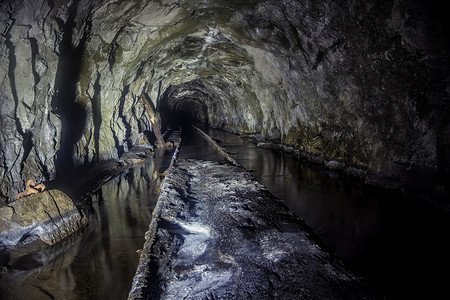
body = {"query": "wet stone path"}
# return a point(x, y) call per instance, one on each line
point(216, 233)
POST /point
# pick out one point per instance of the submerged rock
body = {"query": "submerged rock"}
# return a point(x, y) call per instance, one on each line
point(49, 216)
point(217, 233)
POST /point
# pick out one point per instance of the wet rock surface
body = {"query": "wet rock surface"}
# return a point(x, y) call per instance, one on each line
point(54, 215)
point(83, 183)
point(49, 216)
point(217, 233)
point(365, 85)
point(99, 261)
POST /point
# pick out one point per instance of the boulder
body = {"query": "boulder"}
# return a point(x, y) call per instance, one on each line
point(49, 216)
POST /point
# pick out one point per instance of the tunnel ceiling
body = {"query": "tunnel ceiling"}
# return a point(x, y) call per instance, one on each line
point(361, 84)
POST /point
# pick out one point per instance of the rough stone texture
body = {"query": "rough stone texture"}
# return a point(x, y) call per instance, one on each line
point(86, 182)
point(216, 233)
point(30, 132)
point(49, 216)
point(362, 84)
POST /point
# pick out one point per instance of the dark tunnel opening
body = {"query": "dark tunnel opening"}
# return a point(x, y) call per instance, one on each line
point(182, 110)
point(188, 112)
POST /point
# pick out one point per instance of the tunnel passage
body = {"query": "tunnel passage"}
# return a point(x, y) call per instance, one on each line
point(183, 106)
point(359, 87)
point(362, 88)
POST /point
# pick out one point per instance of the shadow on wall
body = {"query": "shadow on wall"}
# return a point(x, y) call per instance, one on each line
point(72, 113)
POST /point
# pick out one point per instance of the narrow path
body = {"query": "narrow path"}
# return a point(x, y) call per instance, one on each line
point(217, 233)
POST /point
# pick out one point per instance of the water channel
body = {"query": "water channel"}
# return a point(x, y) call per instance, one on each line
point(99, 262)
point(399, 246)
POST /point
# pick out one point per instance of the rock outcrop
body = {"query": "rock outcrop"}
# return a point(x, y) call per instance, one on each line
point(361, 84)
point(49, 216)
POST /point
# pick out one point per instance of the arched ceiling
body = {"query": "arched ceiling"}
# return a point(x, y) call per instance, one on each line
point(194, 50)
point(361, 84)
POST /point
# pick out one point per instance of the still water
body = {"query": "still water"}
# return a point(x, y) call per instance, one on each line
point(399, 246)
point(100, 261)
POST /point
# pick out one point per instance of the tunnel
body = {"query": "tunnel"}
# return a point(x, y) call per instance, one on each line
point(370, 94)
point(361, 89)
point(184, 107)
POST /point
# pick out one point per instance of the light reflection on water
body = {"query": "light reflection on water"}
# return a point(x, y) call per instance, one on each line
point(119, 217)
point(338, 211)
point(100, 262)
point(399, 245)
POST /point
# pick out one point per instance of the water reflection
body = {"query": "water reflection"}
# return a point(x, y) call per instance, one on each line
point(36, 275)
point(400, 245)
point(194, 146)
point(338, 211)
point(119, 217)
point(100, 262)
point(395, 243)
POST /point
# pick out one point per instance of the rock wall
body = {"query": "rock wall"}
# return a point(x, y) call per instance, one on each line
point(364, 84)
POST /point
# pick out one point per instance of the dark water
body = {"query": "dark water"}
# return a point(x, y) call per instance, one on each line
point(100, 262)
point(399, 246)
point(194, 146)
